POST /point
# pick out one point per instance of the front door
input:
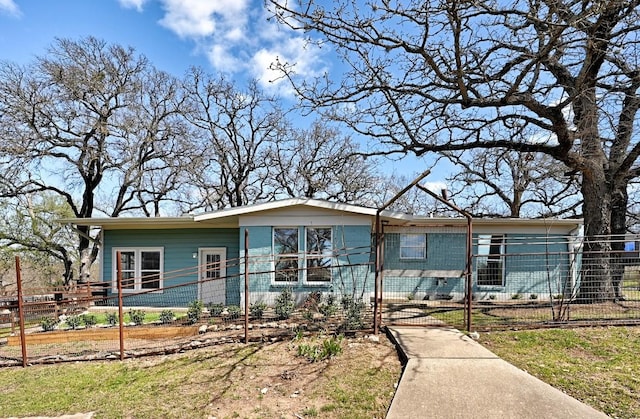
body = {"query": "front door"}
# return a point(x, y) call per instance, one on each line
point(212, 274)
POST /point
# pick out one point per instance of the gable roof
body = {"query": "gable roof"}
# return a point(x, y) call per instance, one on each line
point(229, 217)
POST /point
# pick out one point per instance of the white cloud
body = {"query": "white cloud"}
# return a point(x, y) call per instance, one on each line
point(223, 59)
point(435, 187)
point(201, 18)
point(133, 4)
point(9, 7)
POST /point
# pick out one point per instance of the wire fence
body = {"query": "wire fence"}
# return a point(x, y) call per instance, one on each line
point(517, 281)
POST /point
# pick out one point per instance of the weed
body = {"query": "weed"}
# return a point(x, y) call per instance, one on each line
point(330, 347)
point(284, 304)
point(492, 296)
point(533, 297)
point(353, 315)
point(328, 307)
point(516, 296)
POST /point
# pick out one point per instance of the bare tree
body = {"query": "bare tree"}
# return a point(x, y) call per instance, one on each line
point(559, 78)
point(84, 120)
point(322, 163)
point(504, 183)
point(234, 133)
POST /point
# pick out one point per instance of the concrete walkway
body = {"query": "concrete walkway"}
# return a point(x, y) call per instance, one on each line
point(449, 375)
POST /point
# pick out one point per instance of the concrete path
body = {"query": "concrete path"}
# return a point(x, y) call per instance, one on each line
point(449, 375)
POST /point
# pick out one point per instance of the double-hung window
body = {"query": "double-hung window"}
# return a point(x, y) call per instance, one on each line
point(413, 246)
point(312, 262)
point(285, 254)
point(319, 254)
point(490, 260)
point(141, 268)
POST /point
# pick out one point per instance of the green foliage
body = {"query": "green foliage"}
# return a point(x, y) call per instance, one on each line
point(234, 311)
point(284, 304)
point(328, 348)
point(166, 316)
point(111, 318)
point(353, 314)
point(48, 324)
point(533, 297)
point(194, 312)
point(73, 322)
point(492, 296)
point(256, 310)
point(516, 296)
point(328, 306)
point(215, 309)
point(137, 316)
point(89, 319)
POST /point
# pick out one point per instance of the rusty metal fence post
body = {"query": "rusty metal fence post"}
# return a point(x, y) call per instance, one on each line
point(120, 311)
point(23, 338)
point(246, 286)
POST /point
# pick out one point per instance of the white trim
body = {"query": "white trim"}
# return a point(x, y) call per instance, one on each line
point(137, 268)
point(423, 273)
point(502, 259)
point(311, 220)
point(423, 256)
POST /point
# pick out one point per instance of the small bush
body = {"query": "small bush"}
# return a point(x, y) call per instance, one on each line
point(284, 304)
point(353, 315)
point(89, 320)
point(111, 318)
point(137, 316)
point(328, 307)
point(194, 312)
point(492, 296)
point(215, 309)
point(256, 310)
point(73, 322)
point(166, 316)
point(48, 324)
point(533, 297)
point(234, 312)
point(516, 297)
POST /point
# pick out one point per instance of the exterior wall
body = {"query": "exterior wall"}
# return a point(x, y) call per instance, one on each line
point(438, 276)
point(179, 246)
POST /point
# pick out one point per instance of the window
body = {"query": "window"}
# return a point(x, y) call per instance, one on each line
point(285, 254)
point(490, 263)
point(413, 246)
point(141, 268)
point(319, 254)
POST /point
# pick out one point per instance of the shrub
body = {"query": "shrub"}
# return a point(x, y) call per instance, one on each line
point(328, 307)
point(353, 315)
point(48, 324)
point(256, 310)
point(516, 296)
point(111, 318)
point(137, 316)
point(284, 304)
point(492, 296)
point(533, 297)
point(194, 312)
point(89, 320)
point(166, 316)
point(234, 311)
point(215, 309)
point(73, 322)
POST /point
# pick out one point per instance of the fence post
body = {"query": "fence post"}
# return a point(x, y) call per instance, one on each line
point(23, 339)
point(246, 286)
point(120, 314)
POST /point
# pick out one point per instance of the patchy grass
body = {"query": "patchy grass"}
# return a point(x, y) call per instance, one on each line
point(233, 380)
point(598, 366)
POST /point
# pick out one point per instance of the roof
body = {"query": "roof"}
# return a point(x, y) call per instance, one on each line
point(230, 217)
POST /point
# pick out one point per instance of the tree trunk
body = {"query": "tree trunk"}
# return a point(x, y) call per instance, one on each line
point(595, 279)
point(619, 204)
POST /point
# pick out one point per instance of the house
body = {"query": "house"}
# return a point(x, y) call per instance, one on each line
point(312, 245)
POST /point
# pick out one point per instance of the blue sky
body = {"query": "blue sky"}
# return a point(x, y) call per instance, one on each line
point(232, 37)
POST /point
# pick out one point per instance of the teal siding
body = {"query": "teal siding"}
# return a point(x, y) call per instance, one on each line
point(179, 265)
point(534, 264)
